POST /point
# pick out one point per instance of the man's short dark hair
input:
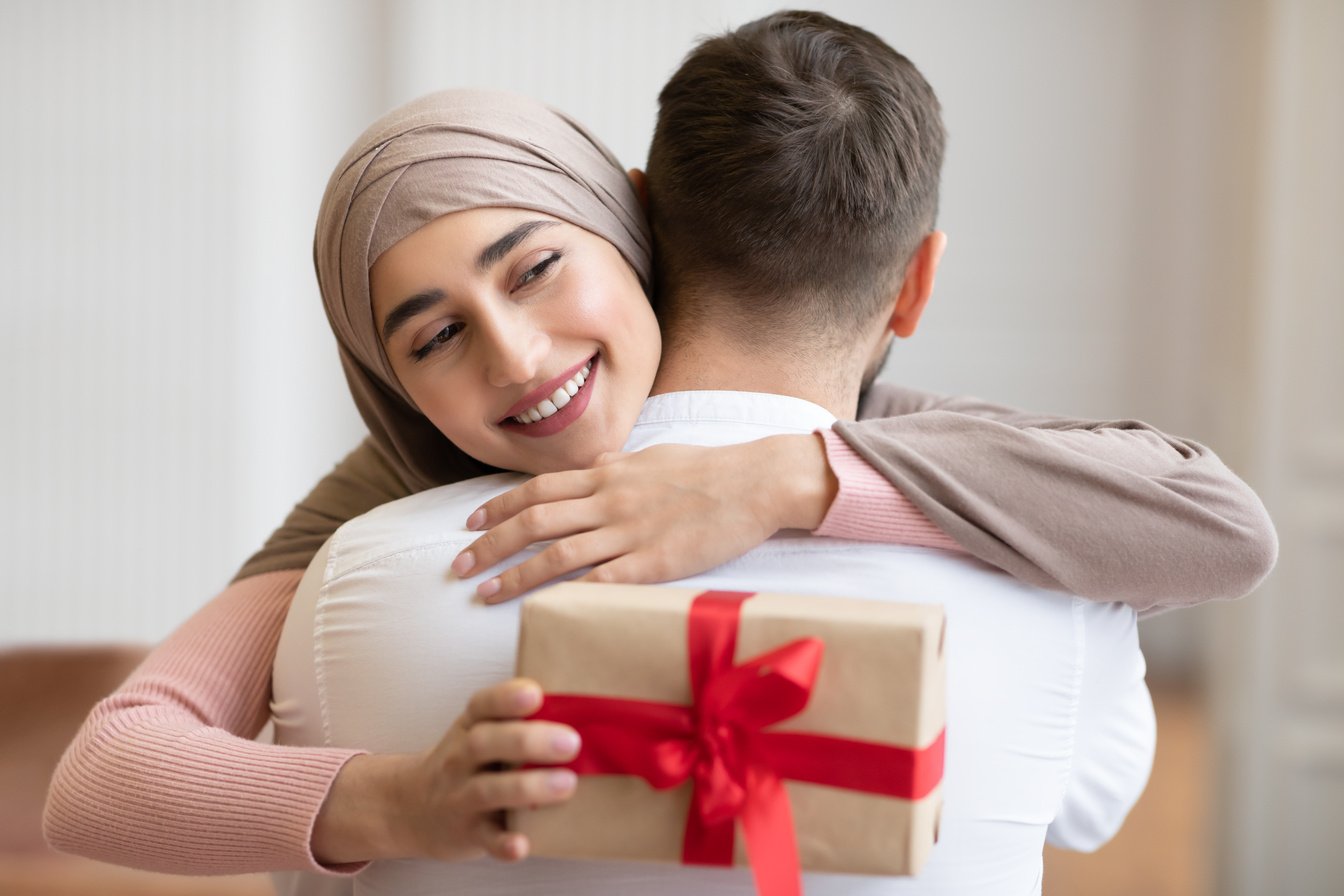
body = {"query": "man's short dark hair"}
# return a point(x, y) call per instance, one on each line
point(796, 163)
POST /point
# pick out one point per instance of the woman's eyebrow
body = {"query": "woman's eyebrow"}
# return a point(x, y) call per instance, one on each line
point(398, 316)
point(492, 253)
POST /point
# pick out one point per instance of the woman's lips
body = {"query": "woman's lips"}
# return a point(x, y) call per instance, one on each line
point(545, 390)
point(562, 418)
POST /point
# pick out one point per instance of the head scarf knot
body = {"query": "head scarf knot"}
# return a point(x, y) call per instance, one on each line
point(443, 153)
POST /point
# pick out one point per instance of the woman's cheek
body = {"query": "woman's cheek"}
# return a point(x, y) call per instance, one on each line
point(590, 308)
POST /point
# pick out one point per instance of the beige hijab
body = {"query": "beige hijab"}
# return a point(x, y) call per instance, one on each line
point(447, 152)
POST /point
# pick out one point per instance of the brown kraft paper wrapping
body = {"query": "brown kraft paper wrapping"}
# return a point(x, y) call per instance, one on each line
point(881, 679)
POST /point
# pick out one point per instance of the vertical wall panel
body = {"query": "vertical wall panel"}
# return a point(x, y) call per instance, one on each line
point(1280, 663)
point(173, 387)
point(307, 80)
point(116, 352)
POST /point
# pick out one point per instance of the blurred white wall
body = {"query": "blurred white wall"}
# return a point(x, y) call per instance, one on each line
point(1129, 190)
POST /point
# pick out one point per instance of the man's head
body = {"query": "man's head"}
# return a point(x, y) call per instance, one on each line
point(794, 168)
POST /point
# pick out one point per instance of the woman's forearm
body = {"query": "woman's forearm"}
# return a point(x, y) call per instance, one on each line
point(1108, 510)
point(163, 775)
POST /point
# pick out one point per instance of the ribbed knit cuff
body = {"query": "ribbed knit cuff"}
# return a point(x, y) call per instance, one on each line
point(869, 508)
point(159, 778)
point(250, 807)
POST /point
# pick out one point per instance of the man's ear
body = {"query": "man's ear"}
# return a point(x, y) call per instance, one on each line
point(641, 185)
point(917, 286)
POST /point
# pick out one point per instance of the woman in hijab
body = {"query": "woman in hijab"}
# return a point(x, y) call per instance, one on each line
point(169, 756)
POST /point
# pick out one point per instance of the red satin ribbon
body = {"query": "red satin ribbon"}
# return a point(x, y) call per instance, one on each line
point(738, 769)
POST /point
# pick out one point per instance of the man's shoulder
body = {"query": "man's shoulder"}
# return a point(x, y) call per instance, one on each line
point(989, 597)
point(427, 519)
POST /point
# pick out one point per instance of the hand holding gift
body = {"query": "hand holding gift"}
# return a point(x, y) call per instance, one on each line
point(447, 802)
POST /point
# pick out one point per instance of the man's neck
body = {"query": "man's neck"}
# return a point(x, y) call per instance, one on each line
point(711, 360)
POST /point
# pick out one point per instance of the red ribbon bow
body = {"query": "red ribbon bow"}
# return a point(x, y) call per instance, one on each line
point(719, 742)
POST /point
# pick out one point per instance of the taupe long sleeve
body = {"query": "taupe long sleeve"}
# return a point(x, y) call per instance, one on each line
point(1109, 510)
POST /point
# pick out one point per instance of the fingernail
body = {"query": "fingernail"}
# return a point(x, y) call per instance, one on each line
point(463, 563)
point(566, 743)
point(561, 781)
point(477, 519)
point(488, 588)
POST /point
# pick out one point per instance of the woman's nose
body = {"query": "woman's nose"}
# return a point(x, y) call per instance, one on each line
point(516, 349)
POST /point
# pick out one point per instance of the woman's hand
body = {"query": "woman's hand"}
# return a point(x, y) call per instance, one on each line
point(448, 802)
point(651, 516)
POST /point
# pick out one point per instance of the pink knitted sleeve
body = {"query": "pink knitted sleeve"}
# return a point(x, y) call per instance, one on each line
point(163, 776)
point(869, 508)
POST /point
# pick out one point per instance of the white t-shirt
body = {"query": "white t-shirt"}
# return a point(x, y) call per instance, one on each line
point(1050, 729)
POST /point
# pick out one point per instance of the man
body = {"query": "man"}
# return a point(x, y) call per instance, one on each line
point(793, 183)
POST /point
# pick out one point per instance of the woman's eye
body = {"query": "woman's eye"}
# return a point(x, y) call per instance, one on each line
point(538, 271)
point(440, 338)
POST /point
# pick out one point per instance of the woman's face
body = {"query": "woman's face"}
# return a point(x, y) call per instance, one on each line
point(526, 340)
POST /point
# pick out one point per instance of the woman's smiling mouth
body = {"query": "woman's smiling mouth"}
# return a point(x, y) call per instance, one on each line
point(554, 405)
point(557, 399)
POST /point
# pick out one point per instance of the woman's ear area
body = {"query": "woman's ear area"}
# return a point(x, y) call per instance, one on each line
point(641, 185)
point(917, 287)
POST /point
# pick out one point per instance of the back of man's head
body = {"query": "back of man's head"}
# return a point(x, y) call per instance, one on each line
point(794, 168)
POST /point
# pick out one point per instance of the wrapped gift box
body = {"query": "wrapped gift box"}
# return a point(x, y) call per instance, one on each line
point(880, 681)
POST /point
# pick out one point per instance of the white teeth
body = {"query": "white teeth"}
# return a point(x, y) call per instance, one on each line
point(558, 399)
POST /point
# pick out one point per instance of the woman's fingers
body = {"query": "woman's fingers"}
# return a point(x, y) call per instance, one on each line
point(448, 802)
point(521, 743)
point(558, 559)
point(494, 791)
point(634, 569)
point(650, 516)
point(513, 699)
point(507, 846)
point(539, 522)
point(544, 489)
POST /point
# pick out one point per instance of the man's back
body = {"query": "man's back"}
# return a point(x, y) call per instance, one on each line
point(1049, 722)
